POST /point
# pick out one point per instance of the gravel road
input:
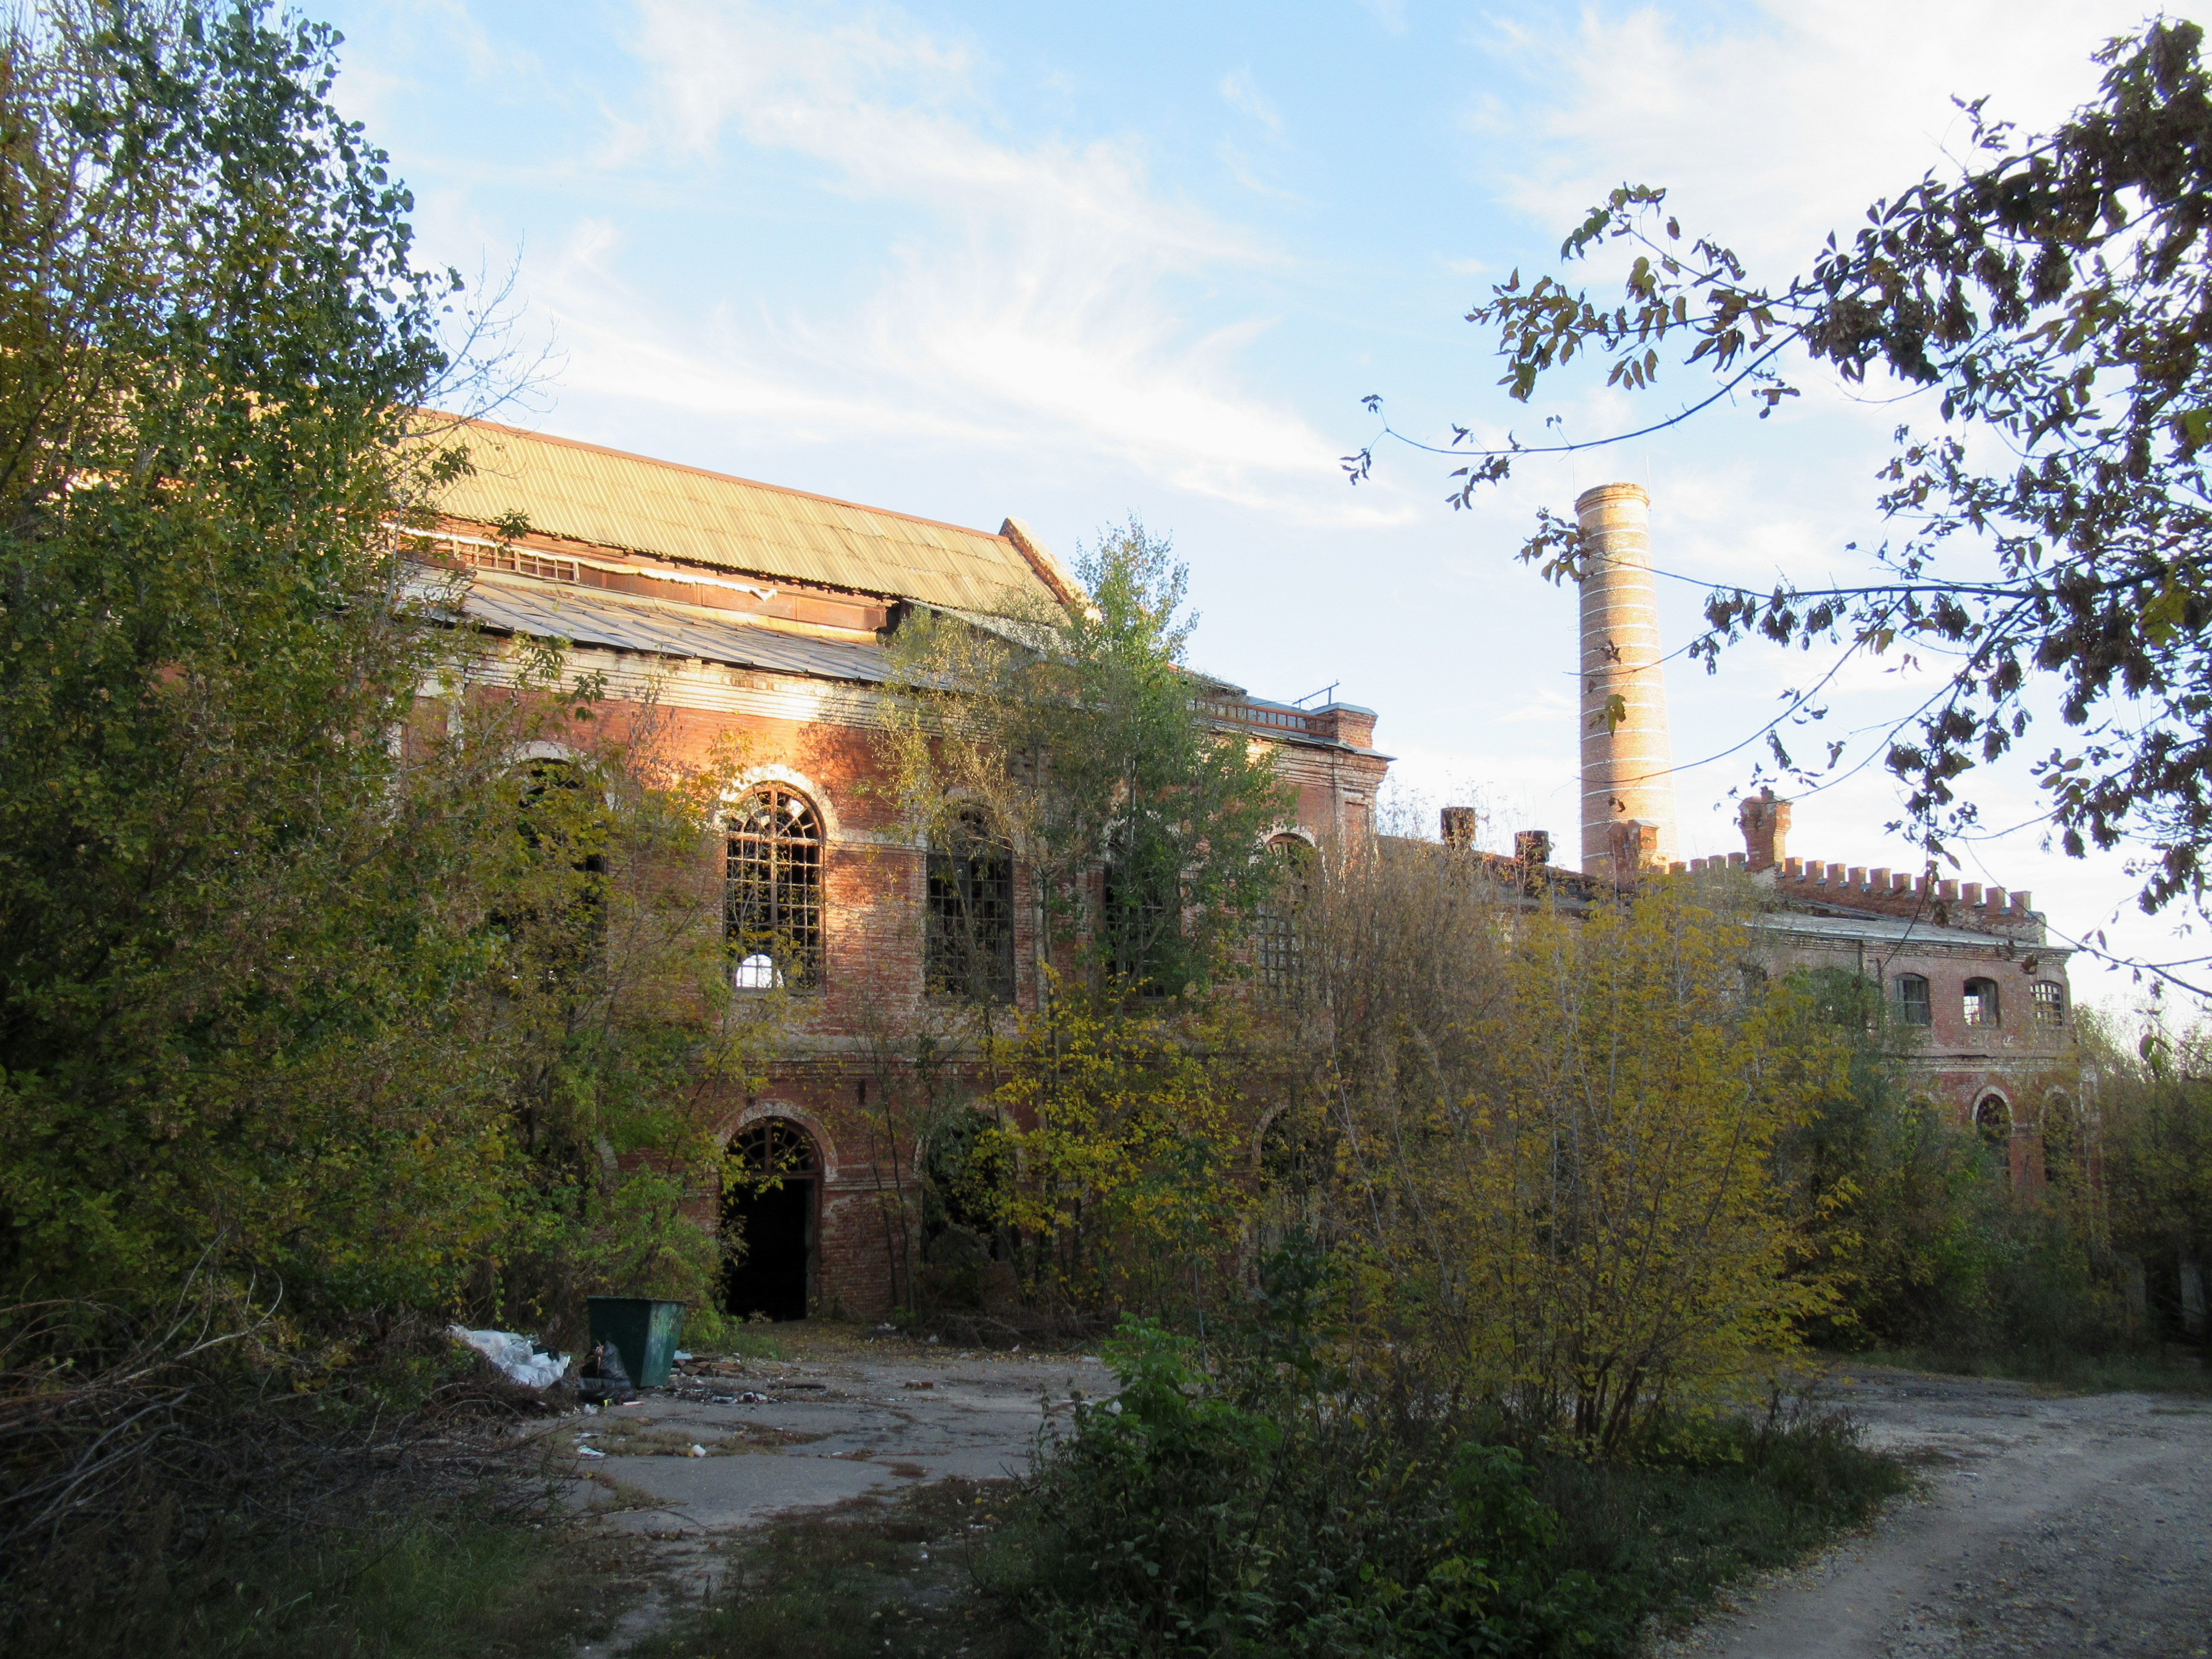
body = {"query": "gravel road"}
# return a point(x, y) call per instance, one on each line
point(2047, 1527)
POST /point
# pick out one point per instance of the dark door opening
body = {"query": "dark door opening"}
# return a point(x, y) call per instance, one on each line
point(775, 1224)
point(767, 1207)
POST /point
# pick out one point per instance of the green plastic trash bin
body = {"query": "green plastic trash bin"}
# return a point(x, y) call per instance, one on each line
point(644, 1332)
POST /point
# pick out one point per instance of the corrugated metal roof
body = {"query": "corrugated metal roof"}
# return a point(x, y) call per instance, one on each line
point(589, 616)
point(609, 498)
point(1889, 929)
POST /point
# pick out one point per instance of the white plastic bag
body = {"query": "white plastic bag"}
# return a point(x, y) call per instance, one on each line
point(516, 1356)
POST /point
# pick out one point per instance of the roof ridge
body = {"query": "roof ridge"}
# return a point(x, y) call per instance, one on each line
point(721, 478)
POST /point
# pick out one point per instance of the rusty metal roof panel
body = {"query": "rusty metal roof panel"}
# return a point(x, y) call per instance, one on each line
point(587, 616)
point(609, 499)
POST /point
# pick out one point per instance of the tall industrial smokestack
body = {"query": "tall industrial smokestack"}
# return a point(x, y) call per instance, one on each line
point(1628, 783)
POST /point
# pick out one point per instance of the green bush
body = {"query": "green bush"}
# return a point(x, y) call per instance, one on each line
point(1176, 1519)
point(1263, 1495)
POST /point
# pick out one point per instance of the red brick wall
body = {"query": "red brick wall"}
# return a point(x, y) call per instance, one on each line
point(874, 895)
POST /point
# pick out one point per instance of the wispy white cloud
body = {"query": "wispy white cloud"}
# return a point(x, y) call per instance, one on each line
point(1242, 93)
point(1036, 291)
point(1784, 126)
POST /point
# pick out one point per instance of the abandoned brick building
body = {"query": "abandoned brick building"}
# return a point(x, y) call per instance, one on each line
point(744, 609)
point(1977, 993)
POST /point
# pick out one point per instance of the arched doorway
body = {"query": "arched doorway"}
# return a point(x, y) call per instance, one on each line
point(770, 1178)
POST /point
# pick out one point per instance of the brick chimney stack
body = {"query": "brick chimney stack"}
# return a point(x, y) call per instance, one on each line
point(1766, 824)
point(1627, 764)
point(1459, 824)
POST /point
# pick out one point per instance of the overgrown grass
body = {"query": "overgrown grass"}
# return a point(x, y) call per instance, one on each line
point(461, 1584)
point(744, 1342)
point(1461, 1547)
point(1668, 1532)
point(2068, 1369)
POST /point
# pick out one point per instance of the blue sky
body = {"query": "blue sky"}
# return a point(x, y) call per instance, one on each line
point(1073, 263)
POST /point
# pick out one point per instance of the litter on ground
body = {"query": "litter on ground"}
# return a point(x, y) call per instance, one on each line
point(518, 1358)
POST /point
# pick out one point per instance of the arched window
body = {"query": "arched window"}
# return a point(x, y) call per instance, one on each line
point(1993, 1122)
point(1914, 1006)
point(1981, 1001)
point(967, 948)
point(772, 895)
point(2050, 997)
point(1275, 944)
point(773, 1148)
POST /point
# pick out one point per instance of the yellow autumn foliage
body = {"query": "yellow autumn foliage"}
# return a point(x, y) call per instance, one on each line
point(1559, 1150)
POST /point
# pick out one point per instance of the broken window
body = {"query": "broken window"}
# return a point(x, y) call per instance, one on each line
point(2049, 1002)
point(1993, 1122)
point(1981, 1002)
point(968, 942)
point(1275, 945)
point(1914, 1006)
point(1141, 900)
point(556, 913)
point(772, 896)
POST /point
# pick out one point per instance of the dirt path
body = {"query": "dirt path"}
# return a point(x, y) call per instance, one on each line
point(2048, 1527)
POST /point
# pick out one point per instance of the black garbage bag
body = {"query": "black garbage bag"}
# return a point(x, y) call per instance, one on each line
point(603, 1376)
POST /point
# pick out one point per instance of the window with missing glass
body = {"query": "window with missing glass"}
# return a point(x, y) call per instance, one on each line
point(2050, 998)
point(1275, 944)
point(968, 939)
point(772, 893)
point(1981, 1002)
point(1914, 1006)
point(1993, 1121)
point(1140, 906)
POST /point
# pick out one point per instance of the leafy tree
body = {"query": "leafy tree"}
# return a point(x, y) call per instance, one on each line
point(2155, 1139)
point(1557, 1155)
point(2051, 522)
point(284, 994)
point(1915, 1222)
point(1122, 1151)
point(209, 949)
point(1075, 738)
point(1068, 752)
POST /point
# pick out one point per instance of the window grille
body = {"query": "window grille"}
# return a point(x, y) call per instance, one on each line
point(2049, 1002)
point(1982, 1002)
point(1275, 945)
point(1914, 1006)
point(772, 896)
point(1141, 902)
point(774, 1147)
point(968, 942)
